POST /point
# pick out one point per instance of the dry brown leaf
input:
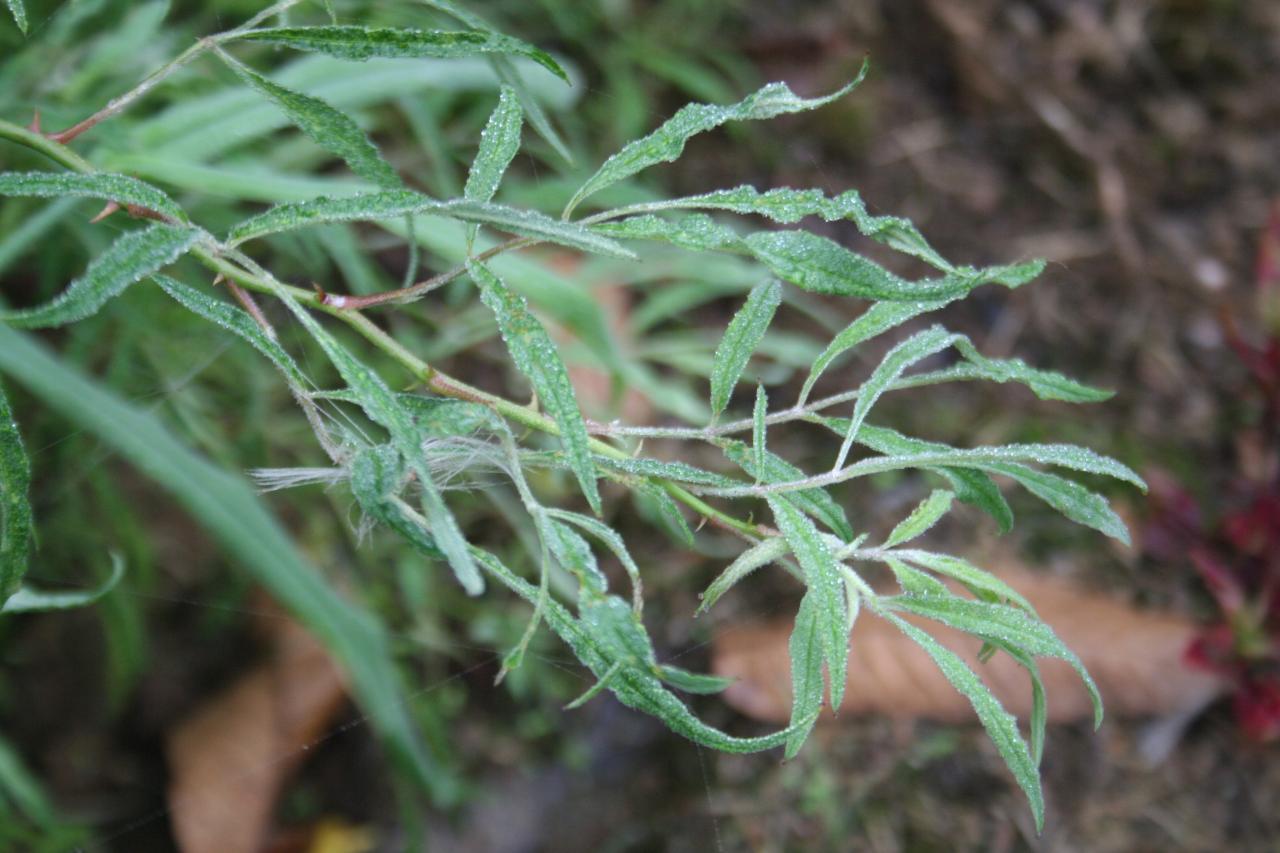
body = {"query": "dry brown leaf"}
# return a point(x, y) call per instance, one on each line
point(228, 761)
point(1134, 655)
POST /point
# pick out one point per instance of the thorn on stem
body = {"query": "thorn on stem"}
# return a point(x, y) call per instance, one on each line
point(111, 208)
point(34, 127)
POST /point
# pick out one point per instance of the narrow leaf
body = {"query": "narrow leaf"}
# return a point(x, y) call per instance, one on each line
point(19, 13)
point(820, 265)
point(914, 349)
point(760, 554)
point(1001, 726)
point(229, 509)
point(359, 43)
point(921, 519)
point(693, 682)
point(15, 506)
point(999, 623)
point(399, 203)
point(816, 502)
point(385, 408)
point(699, 233)
point(806, 649)
point(131, 257)
point(978, 581)
point(499, 142)
point(667, 142)
point(759, 428)
point(118, 188)
point(877, 319)
point(611, 540)
point(740, 340)
point(826, 585)
point(30, 600)
point(237, 321)
point(329, 128)
point(536, 356)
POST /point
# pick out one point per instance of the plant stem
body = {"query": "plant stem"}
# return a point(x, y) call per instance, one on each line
point(434, 380)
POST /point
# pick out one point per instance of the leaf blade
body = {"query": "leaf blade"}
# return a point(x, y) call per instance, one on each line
point(118, 188)
point(132, 257)
point(745, 331)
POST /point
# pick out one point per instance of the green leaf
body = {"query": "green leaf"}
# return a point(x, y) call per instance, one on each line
point(826, 584)
point(788, 206)
point(230, 510)
point(666, 509)
point(19, 13)
point(385, 408)
point(759, 429)
point(820, 265)
point(693, 682)
point(237, 321)
point(575, 556)
point(914, 349)
point(998, 623)
point(1039, 702)
point(877, 319)
point(681, 472)
point(635, 686)
point(740, 340)
point(1001, 726)
point(806, 648)
point(760, 554)
point(816, 502)
point(1069, 498)
point(921, 519)
point(15, 506)
point(332, 130)
point(118, 188)
point(1045, 384)
point(499, 142)
point(376, 477)
point(699, 233)
point(400, 203)
point(611, 540)
point(30, 600)
point(666, 143)
point(536, 356)
point(359, 43)
point(978, 581)
point(132, 257)
point(971, 486)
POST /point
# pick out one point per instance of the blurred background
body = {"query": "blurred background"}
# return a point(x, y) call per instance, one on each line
point(1134, 144)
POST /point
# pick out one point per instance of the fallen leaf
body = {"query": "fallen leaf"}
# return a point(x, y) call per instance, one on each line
point(229, 760)
point(1136, 657)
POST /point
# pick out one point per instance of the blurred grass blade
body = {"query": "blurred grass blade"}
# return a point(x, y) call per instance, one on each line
point(373, 207)
point(499, 143)
point(1001, 726)
point(667, 142)
point(19, 13)
point(237, 321)
point(15, 505)
point(229, 509)
point(118, 188)
point(740, 340)
point(131, 257)
point(921, 519)
point(349, 42)
point(332, 130)
point(536, 356)
point(826, 585)
point(30, 600)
